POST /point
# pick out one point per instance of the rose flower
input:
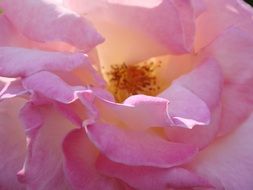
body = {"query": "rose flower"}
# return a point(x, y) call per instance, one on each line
point(140, 95)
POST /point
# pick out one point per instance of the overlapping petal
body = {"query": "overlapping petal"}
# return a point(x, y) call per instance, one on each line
point(7, 32)
point(45, 128)
point(147, 21)
point(145, 142)
point(150, 178)
point(11, 88)
point(228, 161)
point(233, 50)
point(137, 112)
point(185, 108)
point(80, 156)
point(205, 81)
point(138, 148)
point(12, 144)
point(50, 86)
point(47, 21)
point(220, 15)
point(20, 62)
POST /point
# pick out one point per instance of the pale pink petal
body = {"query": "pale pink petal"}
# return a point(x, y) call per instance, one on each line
point(137, 112)
point(138, 148)
point(12, 144)
point(19, 62)
point(205, 81)
point(199, 136)
point(220, 15)
point(43, 168)
point(236, 105)
point(228, 162)
point(145, 112)
point(185, 108)
point(150, 178)
point(71, 112)
point(9, 36)
point(233, 50)
point(199, 7)
point(31, 117)
point(51, 86)
point(121, 22)
point(12, 88)
point(80, 110)
point(7, 32)
point(2, 84)
point(80, 156)
point(46, 21)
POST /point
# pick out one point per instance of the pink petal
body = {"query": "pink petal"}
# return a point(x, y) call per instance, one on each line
point(137, 112)
point(199, 7)
point(12, 88)
point(220, 15)
point(185, 108)
point(7, 32)
point(45, 21)
point(198, 136)
point(71, 112)
point(145, 29)
point(19, 62)
point(228, 162)
point(12, 144)
point(31, 117)
point(236, 106)
point(233, 49)
point(138, 148)
point(146, 112)
point(9, 36)
point(150, 178)
point(80, 156)
point(205, 81)
point(81, 110)
point(50, 86)
point(43, 168)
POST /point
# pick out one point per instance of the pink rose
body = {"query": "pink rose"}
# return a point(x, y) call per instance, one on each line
point(109, 94)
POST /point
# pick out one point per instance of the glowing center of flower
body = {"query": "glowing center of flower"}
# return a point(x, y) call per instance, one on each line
point(126, 80)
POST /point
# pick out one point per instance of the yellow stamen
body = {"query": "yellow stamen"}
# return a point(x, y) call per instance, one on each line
point(126, 80)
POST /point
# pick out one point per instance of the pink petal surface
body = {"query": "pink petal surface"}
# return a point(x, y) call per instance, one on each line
point(7, 32)
point(12, 144)
point(75, 112)
point(18, 62)
point(80, 156)
point(137, 112)
point(50, 86)
point(233, 49)
point(205, 81)
point(10, 36)
point(31, 117)
point(46, 21)
point(220, 15)
point(199, 7)
point(12, 88)
point(150, 178)
point(121, 22)
point(185, 108)
point(228, 162)
point(138, 148)
point(43, 168)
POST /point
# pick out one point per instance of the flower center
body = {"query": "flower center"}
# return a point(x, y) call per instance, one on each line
point(126, 80)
